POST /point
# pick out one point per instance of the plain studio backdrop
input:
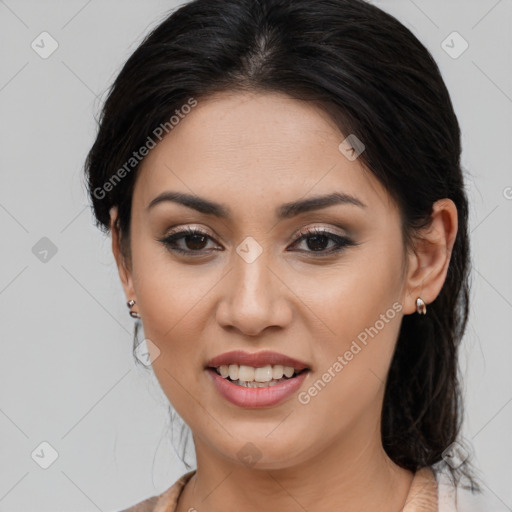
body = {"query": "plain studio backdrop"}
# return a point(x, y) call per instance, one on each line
point(71, 397)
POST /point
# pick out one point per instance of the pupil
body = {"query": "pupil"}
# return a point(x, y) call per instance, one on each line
point(314, 246)
point(194, 245)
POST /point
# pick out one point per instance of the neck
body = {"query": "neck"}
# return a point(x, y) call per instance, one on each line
point(354, 472)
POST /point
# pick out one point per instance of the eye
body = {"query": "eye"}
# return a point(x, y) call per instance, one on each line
point(196, 240)
point(317, 238)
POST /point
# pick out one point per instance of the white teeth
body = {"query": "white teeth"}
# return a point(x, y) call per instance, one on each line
point(245, 373)
point(233, 371)
point(288, 371)
point(255, 384)
point(265, 374)
point(277, 371)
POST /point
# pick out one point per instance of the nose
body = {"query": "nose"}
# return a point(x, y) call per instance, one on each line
point(254, 298)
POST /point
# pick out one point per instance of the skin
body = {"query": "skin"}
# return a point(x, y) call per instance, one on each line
point(254, 152)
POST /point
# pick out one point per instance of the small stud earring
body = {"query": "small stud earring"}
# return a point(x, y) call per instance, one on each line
point(130, 304)
point(421, 308)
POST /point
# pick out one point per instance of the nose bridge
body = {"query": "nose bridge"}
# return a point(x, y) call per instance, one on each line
point(252, 275)
point(253, 299)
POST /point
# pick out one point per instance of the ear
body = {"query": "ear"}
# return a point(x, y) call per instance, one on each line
point(430, 258)
point(123, 266)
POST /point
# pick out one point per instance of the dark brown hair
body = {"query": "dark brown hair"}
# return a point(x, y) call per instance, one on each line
point(377, 81)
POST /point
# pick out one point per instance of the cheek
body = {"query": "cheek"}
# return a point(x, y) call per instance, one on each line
point(347, 299)
point(170, 302)
point(359, 314)
point(350, 380)
point(169, 291)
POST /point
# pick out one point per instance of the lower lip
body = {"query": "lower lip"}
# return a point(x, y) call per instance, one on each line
point(256, 397)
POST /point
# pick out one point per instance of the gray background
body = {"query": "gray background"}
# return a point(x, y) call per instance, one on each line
point(67, 372)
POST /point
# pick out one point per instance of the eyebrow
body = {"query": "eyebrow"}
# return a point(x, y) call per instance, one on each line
point(285, 211)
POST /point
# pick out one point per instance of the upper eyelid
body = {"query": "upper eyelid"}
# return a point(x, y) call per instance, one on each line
point(298, 235)
point(298, 232)
point(316, 227)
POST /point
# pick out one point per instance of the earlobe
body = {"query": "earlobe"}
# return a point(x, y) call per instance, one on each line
point(431, 256)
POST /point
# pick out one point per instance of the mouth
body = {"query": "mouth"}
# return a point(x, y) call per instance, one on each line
point(259, 379)
point(253, 393)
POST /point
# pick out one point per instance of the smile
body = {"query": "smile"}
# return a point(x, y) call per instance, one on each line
point(252, 393)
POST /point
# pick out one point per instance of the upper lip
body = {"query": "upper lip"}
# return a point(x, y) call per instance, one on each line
point(255, 359)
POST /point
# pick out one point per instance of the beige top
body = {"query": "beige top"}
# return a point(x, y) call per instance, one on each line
point(422, 495)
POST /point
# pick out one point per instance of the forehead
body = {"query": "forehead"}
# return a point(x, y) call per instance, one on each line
point(252, 150)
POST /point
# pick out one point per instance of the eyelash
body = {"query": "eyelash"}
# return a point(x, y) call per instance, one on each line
point(341, 241)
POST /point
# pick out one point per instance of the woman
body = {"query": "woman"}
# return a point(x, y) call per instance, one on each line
point(283, 187)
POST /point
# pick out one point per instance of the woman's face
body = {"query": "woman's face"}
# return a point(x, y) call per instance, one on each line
point(338, 312)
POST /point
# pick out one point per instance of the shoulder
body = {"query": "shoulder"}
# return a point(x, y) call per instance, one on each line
point(164, 502)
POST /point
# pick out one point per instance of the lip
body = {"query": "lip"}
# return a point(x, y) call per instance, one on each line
point(256, 397)
point(256, 360)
